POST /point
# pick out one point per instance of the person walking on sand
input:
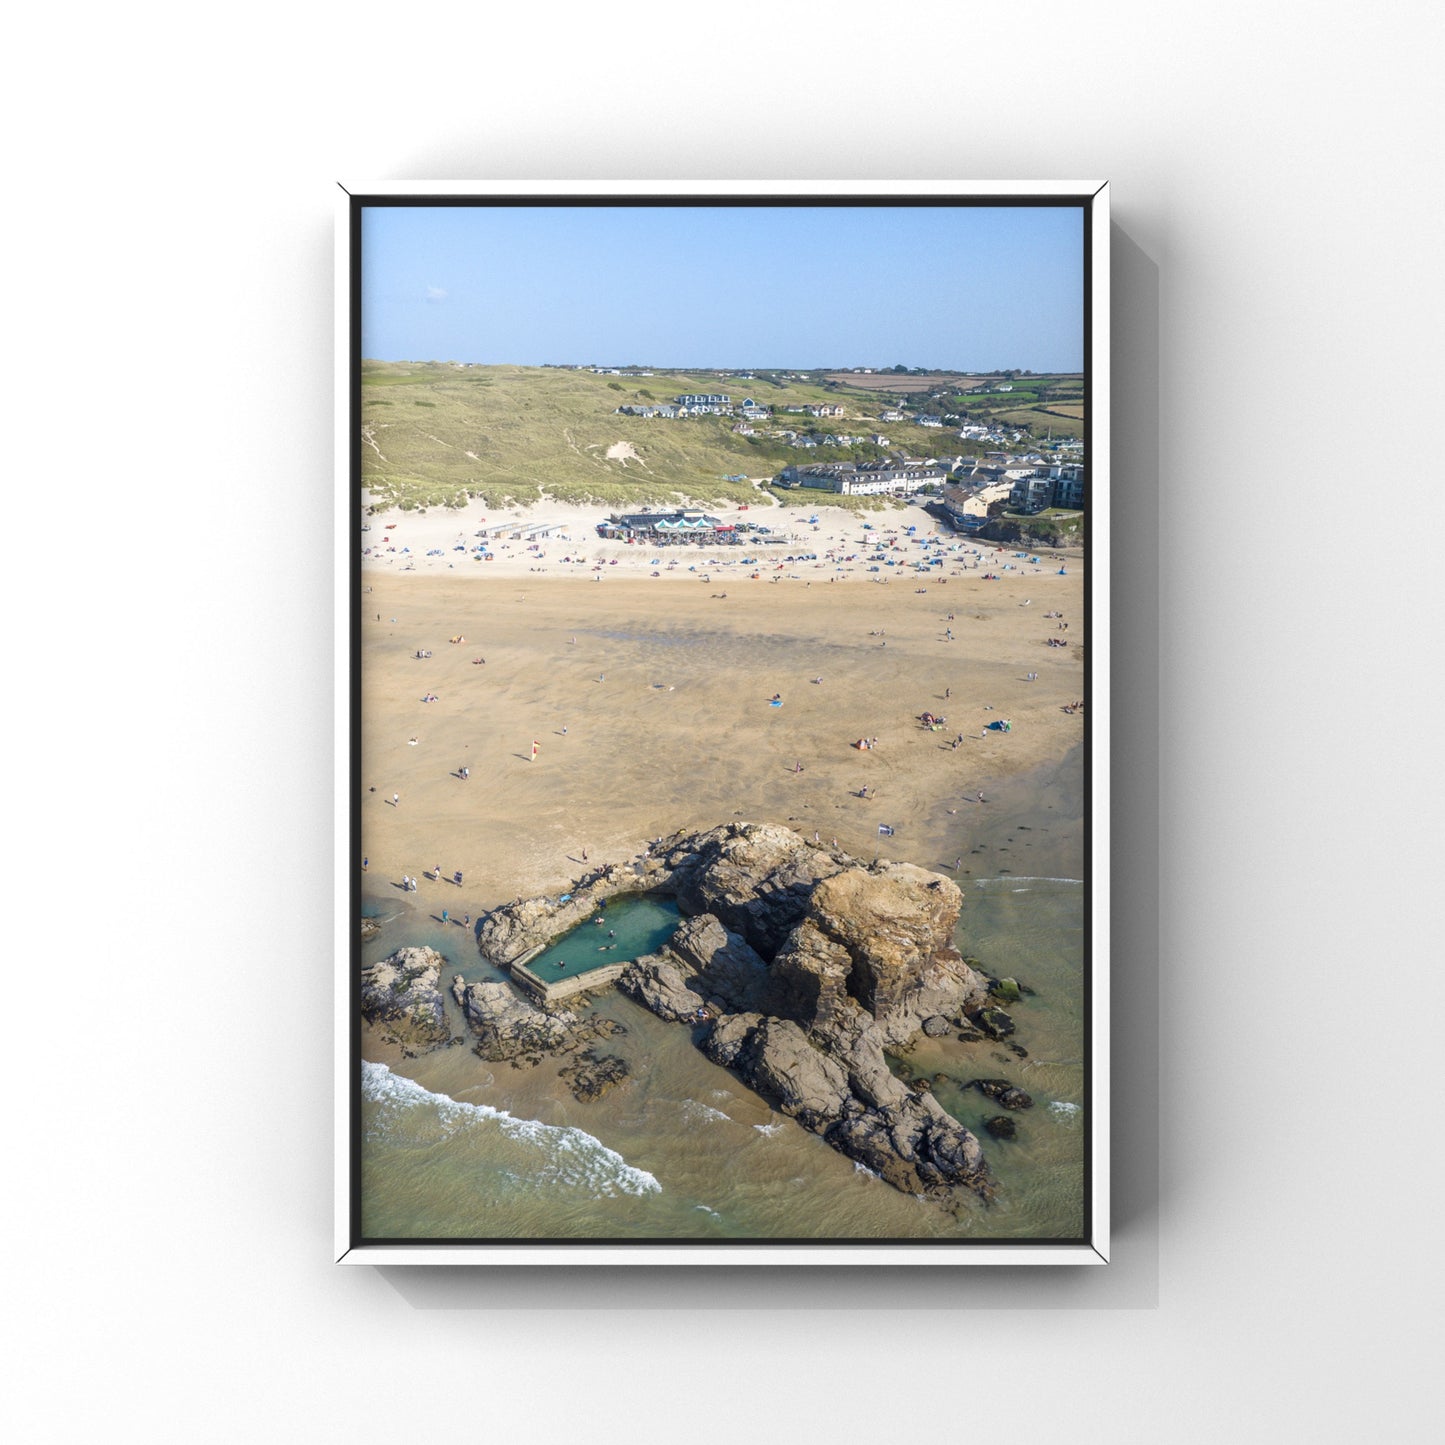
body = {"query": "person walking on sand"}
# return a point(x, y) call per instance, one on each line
point(534, 749)
point(395, 799)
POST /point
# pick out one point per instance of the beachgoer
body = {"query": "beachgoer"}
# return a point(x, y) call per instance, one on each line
point(534, 749)
point(364, 864)
point(395, 799)
point(445, 919)
point(457, 877)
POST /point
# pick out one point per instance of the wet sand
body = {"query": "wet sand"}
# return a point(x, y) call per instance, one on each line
point(657, 717)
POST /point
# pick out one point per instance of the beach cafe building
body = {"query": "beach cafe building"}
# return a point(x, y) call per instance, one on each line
point(663, 529)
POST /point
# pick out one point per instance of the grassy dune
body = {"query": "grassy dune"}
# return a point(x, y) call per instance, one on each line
point(435, 433)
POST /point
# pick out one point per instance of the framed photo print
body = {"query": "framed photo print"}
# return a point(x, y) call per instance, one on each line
point(723, 792)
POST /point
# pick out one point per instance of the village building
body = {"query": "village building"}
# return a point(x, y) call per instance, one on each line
point(967, 505)
point(863, 479)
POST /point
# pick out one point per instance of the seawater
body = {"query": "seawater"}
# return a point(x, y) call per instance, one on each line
point(456, 1148)
point(623, 930)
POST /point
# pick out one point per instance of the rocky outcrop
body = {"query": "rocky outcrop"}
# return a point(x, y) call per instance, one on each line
point(507, 1025)
point(895, 923)
point(756, 878)
point(783, 1064)
point(509, 1028)
point(592, 1075)
point(1005, 1093)
point(403, 995)
point(517, 929)
point(703, 966)
point(798, 966)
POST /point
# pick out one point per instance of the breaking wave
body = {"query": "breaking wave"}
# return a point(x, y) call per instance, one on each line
point(566, 1156)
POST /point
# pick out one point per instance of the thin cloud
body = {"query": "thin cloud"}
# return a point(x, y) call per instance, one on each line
point(435, 293)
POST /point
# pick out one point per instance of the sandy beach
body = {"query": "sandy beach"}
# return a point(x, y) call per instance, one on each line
point(649, 698)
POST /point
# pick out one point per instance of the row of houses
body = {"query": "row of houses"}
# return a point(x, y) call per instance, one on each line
point(864, 479)
point(698, 404)
point(815, 409)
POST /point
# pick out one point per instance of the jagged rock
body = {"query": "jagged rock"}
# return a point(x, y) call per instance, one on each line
point(808, 979)
point(370, 927)
point(509, 933)
point(802, 965)
point(896, 924)
point(1003, 1092)
point(507, 1025)
point(659, 983)
point(776, 1058)
point(724, 967)
point(1005, 990)
point(592, 1075)
point(1002, 1127)
point(403, 992)
point(755, 877)
point(994, 1022)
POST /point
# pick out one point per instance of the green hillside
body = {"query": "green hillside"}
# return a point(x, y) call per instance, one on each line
point(435, 433)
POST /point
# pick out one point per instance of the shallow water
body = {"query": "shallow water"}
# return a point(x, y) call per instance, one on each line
point(455, 1148)
point(623, 930)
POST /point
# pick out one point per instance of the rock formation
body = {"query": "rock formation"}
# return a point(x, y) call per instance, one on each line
point(798, 966)
point(403, 993)
point(510, 1028)
point(803, 965)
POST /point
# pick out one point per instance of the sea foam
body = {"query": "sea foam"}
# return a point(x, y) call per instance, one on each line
point(569, 1156)
point(1022, 878)
point(696, 1109)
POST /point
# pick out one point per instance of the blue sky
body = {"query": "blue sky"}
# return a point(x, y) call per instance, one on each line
point(958, 287)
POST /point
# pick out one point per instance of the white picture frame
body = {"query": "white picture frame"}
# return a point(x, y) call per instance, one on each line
point(1092, 1247)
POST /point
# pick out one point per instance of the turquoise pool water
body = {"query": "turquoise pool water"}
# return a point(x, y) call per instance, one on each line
point(629, 928)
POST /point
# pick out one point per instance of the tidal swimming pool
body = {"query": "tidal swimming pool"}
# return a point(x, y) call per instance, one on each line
point(625, 929)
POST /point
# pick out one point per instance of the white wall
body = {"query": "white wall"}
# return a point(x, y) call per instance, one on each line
point(165, 543)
